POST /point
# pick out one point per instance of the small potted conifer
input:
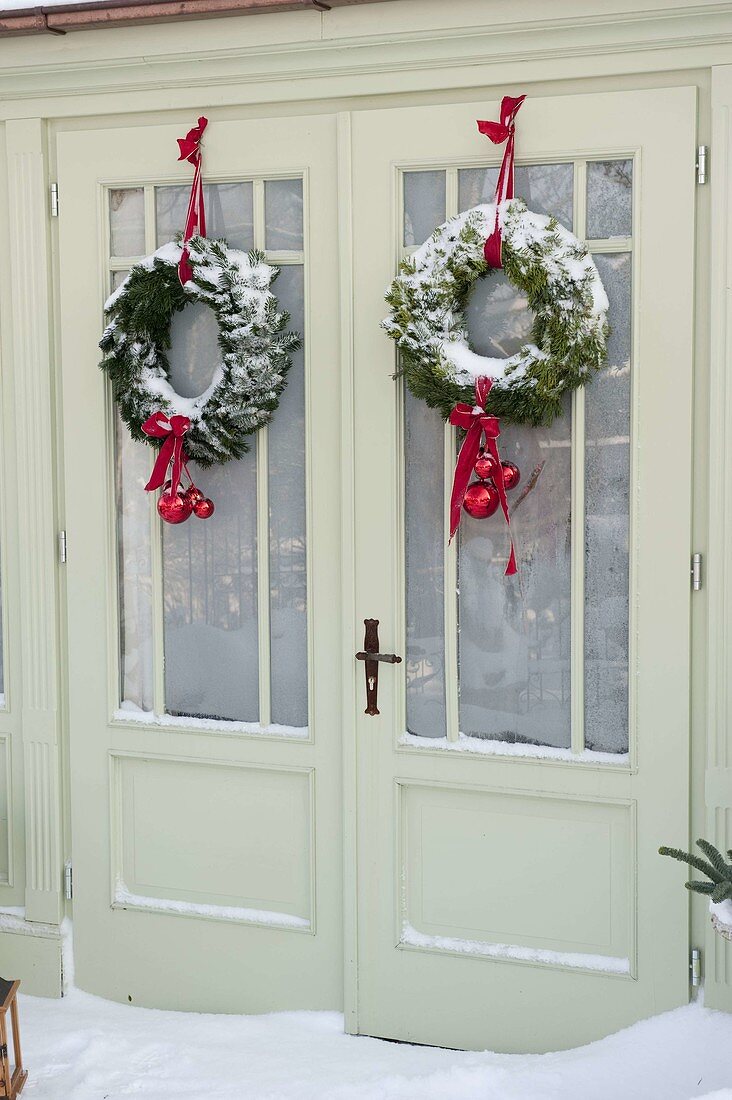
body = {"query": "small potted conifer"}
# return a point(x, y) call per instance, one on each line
point(718, 884)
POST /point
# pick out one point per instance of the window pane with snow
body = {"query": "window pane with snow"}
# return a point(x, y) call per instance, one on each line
point(424, 205)
point(229, 212)
point(134, 568)
point(127, 221)
point(210, 566)
point(609, 199)
point(514, 637)
point(545, 188)
point(287, 525)
point(607, 522)
point(283, 215)
point(425, 574)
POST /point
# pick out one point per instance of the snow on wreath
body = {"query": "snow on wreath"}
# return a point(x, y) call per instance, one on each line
point(563, 289)
point(254, 346)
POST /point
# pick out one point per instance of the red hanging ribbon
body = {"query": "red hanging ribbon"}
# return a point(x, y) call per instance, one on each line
point(478, 424)
point(171, 431)
point(498, 132)
point(190, 150)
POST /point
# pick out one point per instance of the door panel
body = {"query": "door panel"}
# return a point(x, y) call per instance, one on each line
point(205, 754)
point(533, 752)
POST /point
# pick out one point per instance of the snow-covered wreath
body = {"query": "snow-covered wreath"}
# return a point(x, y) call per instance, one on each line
point(563, 289)
point(253, 344)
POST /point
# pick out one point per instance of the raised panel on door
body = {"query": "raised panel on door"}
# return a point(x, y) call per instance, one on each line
point(205, 766)
point(532, 750)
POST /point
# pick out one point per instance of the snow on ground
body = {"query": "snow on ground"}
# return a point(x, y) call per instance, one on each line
point(84, 1048)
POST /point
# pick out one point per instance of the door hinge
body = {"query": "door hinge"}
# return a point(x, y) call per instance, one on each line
point(701, 163)
point(54, 200)
point(68, 880)
point(695, 966)
point(697, 562)
point(62, 547)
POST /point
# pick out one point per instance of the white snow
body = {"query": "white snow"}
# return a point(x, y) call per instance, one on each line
point(125, 899)
point(130, 712)
point(575, 960)
point(722, 911)
point(84, 1048)
point(486, 747)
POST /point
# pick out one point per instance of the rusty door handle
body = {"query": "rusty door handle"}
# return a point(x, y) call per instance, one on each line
point(370, 654)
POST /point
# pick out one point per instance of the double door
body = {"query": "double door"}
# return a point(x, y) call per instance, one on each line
point(475, 867)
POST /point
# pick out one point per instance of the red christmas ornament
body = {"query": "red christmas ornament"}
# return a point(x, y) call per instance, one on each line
point(174, 509)
point(481, 499)
point(193, 494)
point(511, 475)
point(204, 508)
point(485, 466)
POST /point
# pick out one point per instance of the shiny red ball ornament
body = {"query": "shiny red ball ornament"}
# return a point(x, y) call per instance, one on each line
point(193, 494)
point(204, 508)
point(511, 475)
point(485, 466)
point(174, 509)
point(481, 499)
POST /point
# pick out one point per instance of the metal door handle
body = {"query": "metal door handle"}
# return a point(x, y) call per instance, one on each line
point(370, 654)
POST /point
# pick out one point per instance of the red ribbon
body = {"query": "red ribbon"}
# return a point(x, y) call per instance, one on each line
point(478, 424)
point(190, 150)
point(171, 431)
point(498, 132)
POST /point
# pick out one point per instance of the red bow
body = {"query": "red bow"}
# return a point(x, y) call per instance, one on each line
point(478, 424)
point(189, 145)
point(190, 150)
point(498, 132)
point(171, 430)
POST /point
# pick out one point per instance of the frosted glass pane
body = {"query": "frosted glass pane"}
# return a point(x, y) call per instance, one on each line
point(116, 278)
point(194, 351)
point(210, 601)
point(287, 528)
point(424, 205)
point(229, 212)
point(283, 215)
point(545, 188)
point(425, 549)
point(498, 318)
point(607, 507)
point(127, 221)
point(133, 462)
point(514, 641)
point(609, 198)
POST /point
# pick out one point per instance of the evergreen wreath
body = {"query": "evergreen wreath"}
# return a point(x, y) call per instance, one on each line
point(564, 291)
point(254, 346)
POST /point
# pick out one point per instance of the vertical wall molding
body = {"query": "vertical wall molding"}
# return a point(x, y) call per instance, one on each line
point(718, 786)
point(36, 518)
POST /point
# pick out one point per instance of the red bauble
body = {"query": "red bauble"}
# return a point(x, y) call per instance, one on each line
point(485, 466)
point(204, 508)
point(511, 475)
point(193, 495)
point(174, 509)
point(481, 500)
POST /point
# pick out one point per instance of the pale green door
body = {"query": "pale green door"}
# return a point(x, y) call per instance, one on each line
point(532, 751)
point(204, 716)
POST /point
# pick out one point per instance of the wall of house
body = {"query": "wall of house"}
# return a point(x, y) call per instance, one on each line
point(400, 52)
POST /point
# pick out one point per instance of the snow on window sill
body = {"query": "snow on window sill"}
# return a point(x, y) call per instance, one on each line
point(12, 919)
point(485, 747)
point(129, 712)
point(125, 899)
point(574, 960)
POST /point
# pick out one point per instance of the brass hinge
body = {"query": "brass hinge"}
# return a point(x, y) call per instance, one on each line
point(701, 163)
point(54, 200)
